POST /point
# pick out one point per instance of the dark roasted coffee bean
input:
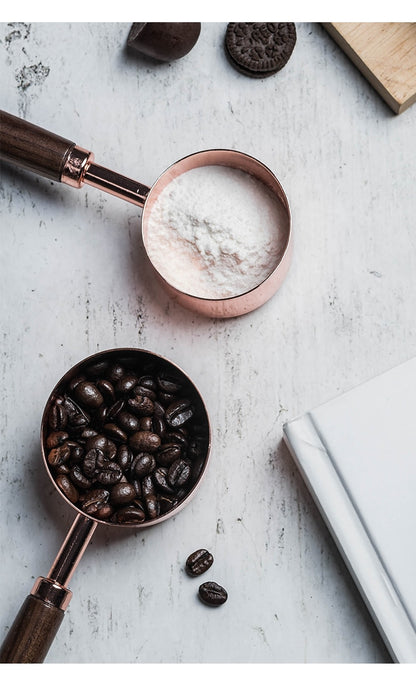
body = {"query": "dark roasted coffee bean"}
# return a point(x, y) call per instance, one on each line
point(179, 473)
point(62, 469)
point(96, 441)
point(212, 594)
point(137, 487)
point(115, 372)
point(141, 405)
point(94, 500)
point(176, 437)
point(78, 478)
point(179, 412)
point(76, 380)
point(128, 515)
point(124, 457)
point(128, 422)
point(198, 562)
point(101, 416)
point(139, 390)
point(147, 442)
point(148, 487)
point(160, 477)
point(59, 455)
point(169, 384)
point(125, 384)
point(90, 462)
point(143, 464)
point(115, 433)
point(88, 433)
point(114, 410)
point(110, 450)
point(167, 502)
point(67, 487)
point(109, 474)
point(168, 453)
point(98, 369)
point(106, 389)
point(146, 424)
point(88, 395)
point(148, 382)
point(57, 415)
point(122, 493)
point(104, 512)
point(76, 452)
point(159, 426)
point(152, 506)
point(56, 439)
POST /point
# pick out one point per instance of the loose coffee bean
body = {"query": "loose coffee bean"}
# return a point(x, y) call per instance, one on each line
point(115, 432)
point(122, 493)
point(128, 422)
point(141, 405)
point(67, 487)
point(198, 562)
point(90, 462)
point(141, 391)
point(129, 515)
point(212, 594)
point(114, 410)
point(168, 453)
point(144, 441)
point(179, 412)
point(107, 390)
point(169, 384)
point(59, 455)
point(78, 478)
point(88, 395)
point(124, 457)
point(160, 477)
point(94, 500)
point(58, 416)
point(115, 372)
point(110, 474)
point(143, 464)
point(179, 473)
point(56, 439)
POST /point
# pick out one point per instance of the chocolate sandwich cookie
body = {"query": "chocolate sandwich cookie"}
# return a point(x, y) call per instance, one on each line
point(259, 50)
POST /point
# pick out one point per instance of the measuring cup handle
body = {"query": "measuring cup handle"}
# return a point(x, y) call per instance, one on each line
point(32, 632)
point(31, 147)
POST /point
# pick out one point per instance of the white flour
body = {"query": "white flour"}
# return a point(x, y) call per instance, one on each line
point(214, 232)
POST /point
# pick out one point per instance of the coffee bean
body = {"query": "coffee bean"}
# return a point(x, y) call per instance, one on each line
point(128, 422)
point(142, 465)
point(179, 412)
point(122, 493)
point(57, 416)
point(56, 439)
point(78, 478)
point(94, 500)
point(198, 562)
point(67, 487)
point(144, 441)
point(212, 594)
point(168, 453)
point(107, 390)
point(115, 432)
point(88, 395)
point(90, 462)
point(129, 515)
point(179, 473)
point(169, 384)
point(109, 474)
point(124, 457)
point(160, 477)
point(114, 410)
point(141, 405)
point(115, 372)
point(125, 384)
point(59, 455)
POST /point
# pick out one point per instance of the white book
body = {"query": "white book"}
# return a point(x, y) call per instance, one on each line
point(357, 455)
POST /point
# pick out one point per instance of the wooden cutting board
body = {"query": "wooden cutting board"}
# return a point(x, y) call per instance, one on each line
point(385, 53)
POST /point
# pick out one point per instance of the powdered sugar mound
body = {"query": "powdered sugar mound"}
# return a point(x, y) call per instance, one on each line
point(214, 232)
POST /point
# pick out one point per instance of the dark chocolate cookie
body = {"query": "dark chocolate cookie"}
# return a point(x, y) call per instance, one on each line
point(259, 50)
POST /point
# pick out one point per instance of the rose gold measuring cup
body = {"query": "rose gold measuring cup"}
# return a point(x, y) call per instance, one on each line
point(31, 634)
point(54, 157)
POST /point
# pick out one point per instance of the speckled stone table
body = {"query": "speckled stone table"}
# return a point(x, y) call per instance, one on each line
point(75, 280)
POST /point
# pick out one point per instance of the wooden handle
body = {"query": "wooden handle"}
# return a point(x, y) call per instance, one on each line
point(32, 632)
point(33, 148)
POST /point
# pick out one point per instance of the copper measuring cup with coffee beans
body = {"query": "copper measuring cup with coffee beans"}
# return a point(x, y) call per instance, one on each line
point(125, 439)
point(54, 157)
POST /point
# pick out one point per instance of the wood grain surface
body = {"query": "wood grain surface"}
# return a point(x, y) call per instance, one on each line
point(385, 53)
point(74, 280)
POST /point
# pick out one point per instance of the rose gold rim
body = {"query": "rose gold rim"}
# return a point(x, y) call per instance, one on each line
point(119, 353)
point(246, 301)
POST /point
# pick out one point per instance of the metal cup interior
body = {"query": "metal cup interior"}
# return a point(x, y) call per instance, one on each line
point(133, 358)
point(247, 301)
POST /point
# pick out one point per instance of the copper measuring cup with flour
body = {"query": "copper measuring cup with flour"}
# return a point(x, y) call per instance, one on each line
point(30, 636)
point(61, 160)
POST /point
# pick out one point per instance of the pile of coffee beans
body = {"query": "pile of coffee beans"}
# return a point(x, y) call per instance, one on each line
point(209, 592)
point(126, 440)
